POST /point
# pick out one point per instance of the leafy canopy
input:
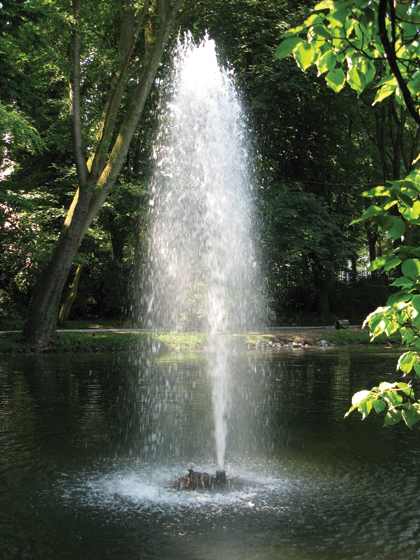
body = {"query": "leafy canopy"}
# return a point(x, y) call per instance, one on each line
point(352, 41)
point(345, 40)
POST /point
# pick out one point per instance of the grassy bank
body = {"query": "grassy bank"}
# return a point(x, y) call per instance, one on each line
point(122, 341)
point(14, 343)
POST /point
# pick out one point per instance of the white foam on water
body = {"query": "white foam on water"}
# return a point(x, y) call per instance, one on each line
point(150, 488)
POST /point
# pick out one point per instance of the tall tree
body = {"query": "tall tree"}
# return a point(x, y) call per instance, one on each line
point(102, 125)
point(301, 148)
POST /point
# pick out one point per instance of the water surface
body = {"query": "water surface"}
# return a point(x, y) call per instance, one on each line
point(90, 444)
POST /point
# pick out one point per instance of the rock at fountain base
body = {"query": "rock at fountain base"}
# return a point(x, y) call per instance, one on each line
point(200, 481)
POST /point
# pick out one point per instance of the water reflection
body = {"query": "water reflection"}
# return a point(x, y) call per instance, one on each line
point(89, 445)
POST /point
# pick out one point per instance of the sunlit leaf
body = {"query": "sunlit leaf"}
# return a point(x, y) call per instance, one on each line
point(326, 62)
point(377, 263)
point(403, 295)
point(407, 361)
point(358, 397)
point(324, 5)
point(383, 93)
point(287, 46)
point(406, 389)
point(336, 79)
point(403, 281)
point(356, 80)
point(389, 79)
point(305, 54)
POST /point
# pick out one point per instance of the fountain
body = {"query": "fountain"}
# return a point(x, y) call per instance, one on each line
point(90, 442)
point(202, 271)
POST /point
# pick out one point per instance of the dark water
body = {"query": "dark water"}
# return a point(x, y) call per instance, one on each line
point(89, 445)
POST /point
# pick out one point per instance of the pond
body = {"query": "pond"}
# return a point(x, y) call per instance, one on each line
point(90, 444)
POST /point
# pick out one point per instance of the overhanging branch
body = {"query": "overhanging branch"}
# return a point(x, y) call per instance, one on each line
point(392, 58)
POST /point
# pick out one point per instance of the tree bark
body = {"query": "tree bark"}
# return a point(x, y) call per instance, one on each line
point(389, 47)
point(95, 186)
point(71, 296)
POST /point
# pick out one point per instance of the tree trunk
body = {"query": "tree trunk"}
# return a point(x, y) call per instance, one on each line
point(71, 296)
point(94, 186)
point(43, 309)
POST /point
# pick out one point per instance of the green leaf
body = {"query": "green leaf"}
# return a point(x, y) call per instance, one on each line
point(322, 31)
point(392, 417)
point(326, 62)
point(324, 5)
point(411, 269)
point(287, 46)
point(358, 397)
point(398, 229)
point(372, 211)
point(305, 54)
point(379, 405)
point(406, 389)
point(365, 407)
point(336, 80)
point(403, 281)
point(403, 295)
point(338, 17)
point(399, 97)
point(392, 264)
point(407, 200)
point(368, 70)
point(356, 80)
point(410, 416)
point(414, 86)
point(377, 263)
point(416, 303)
point(383, 93)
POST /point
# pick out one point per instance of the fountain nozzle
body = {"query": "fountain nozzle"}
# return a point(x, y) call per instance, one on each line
point(221, 476)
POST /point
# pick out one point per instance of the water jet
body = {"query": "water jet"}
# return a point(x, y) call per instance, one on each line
point(201, 266)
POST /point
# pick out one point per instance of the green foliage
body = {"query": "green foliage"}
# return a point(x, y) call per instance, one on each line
point(307, 229)
point(397, 400)
point(303, 151)
point(347, 41)
point(401, 315)
point(342, 39)
point(17, 132)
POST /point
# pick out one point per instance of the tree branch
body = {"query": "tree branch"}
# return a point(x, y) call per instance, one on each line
point(74, 96)
point(392, 59)
point(110, 110)
point(122, 142)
